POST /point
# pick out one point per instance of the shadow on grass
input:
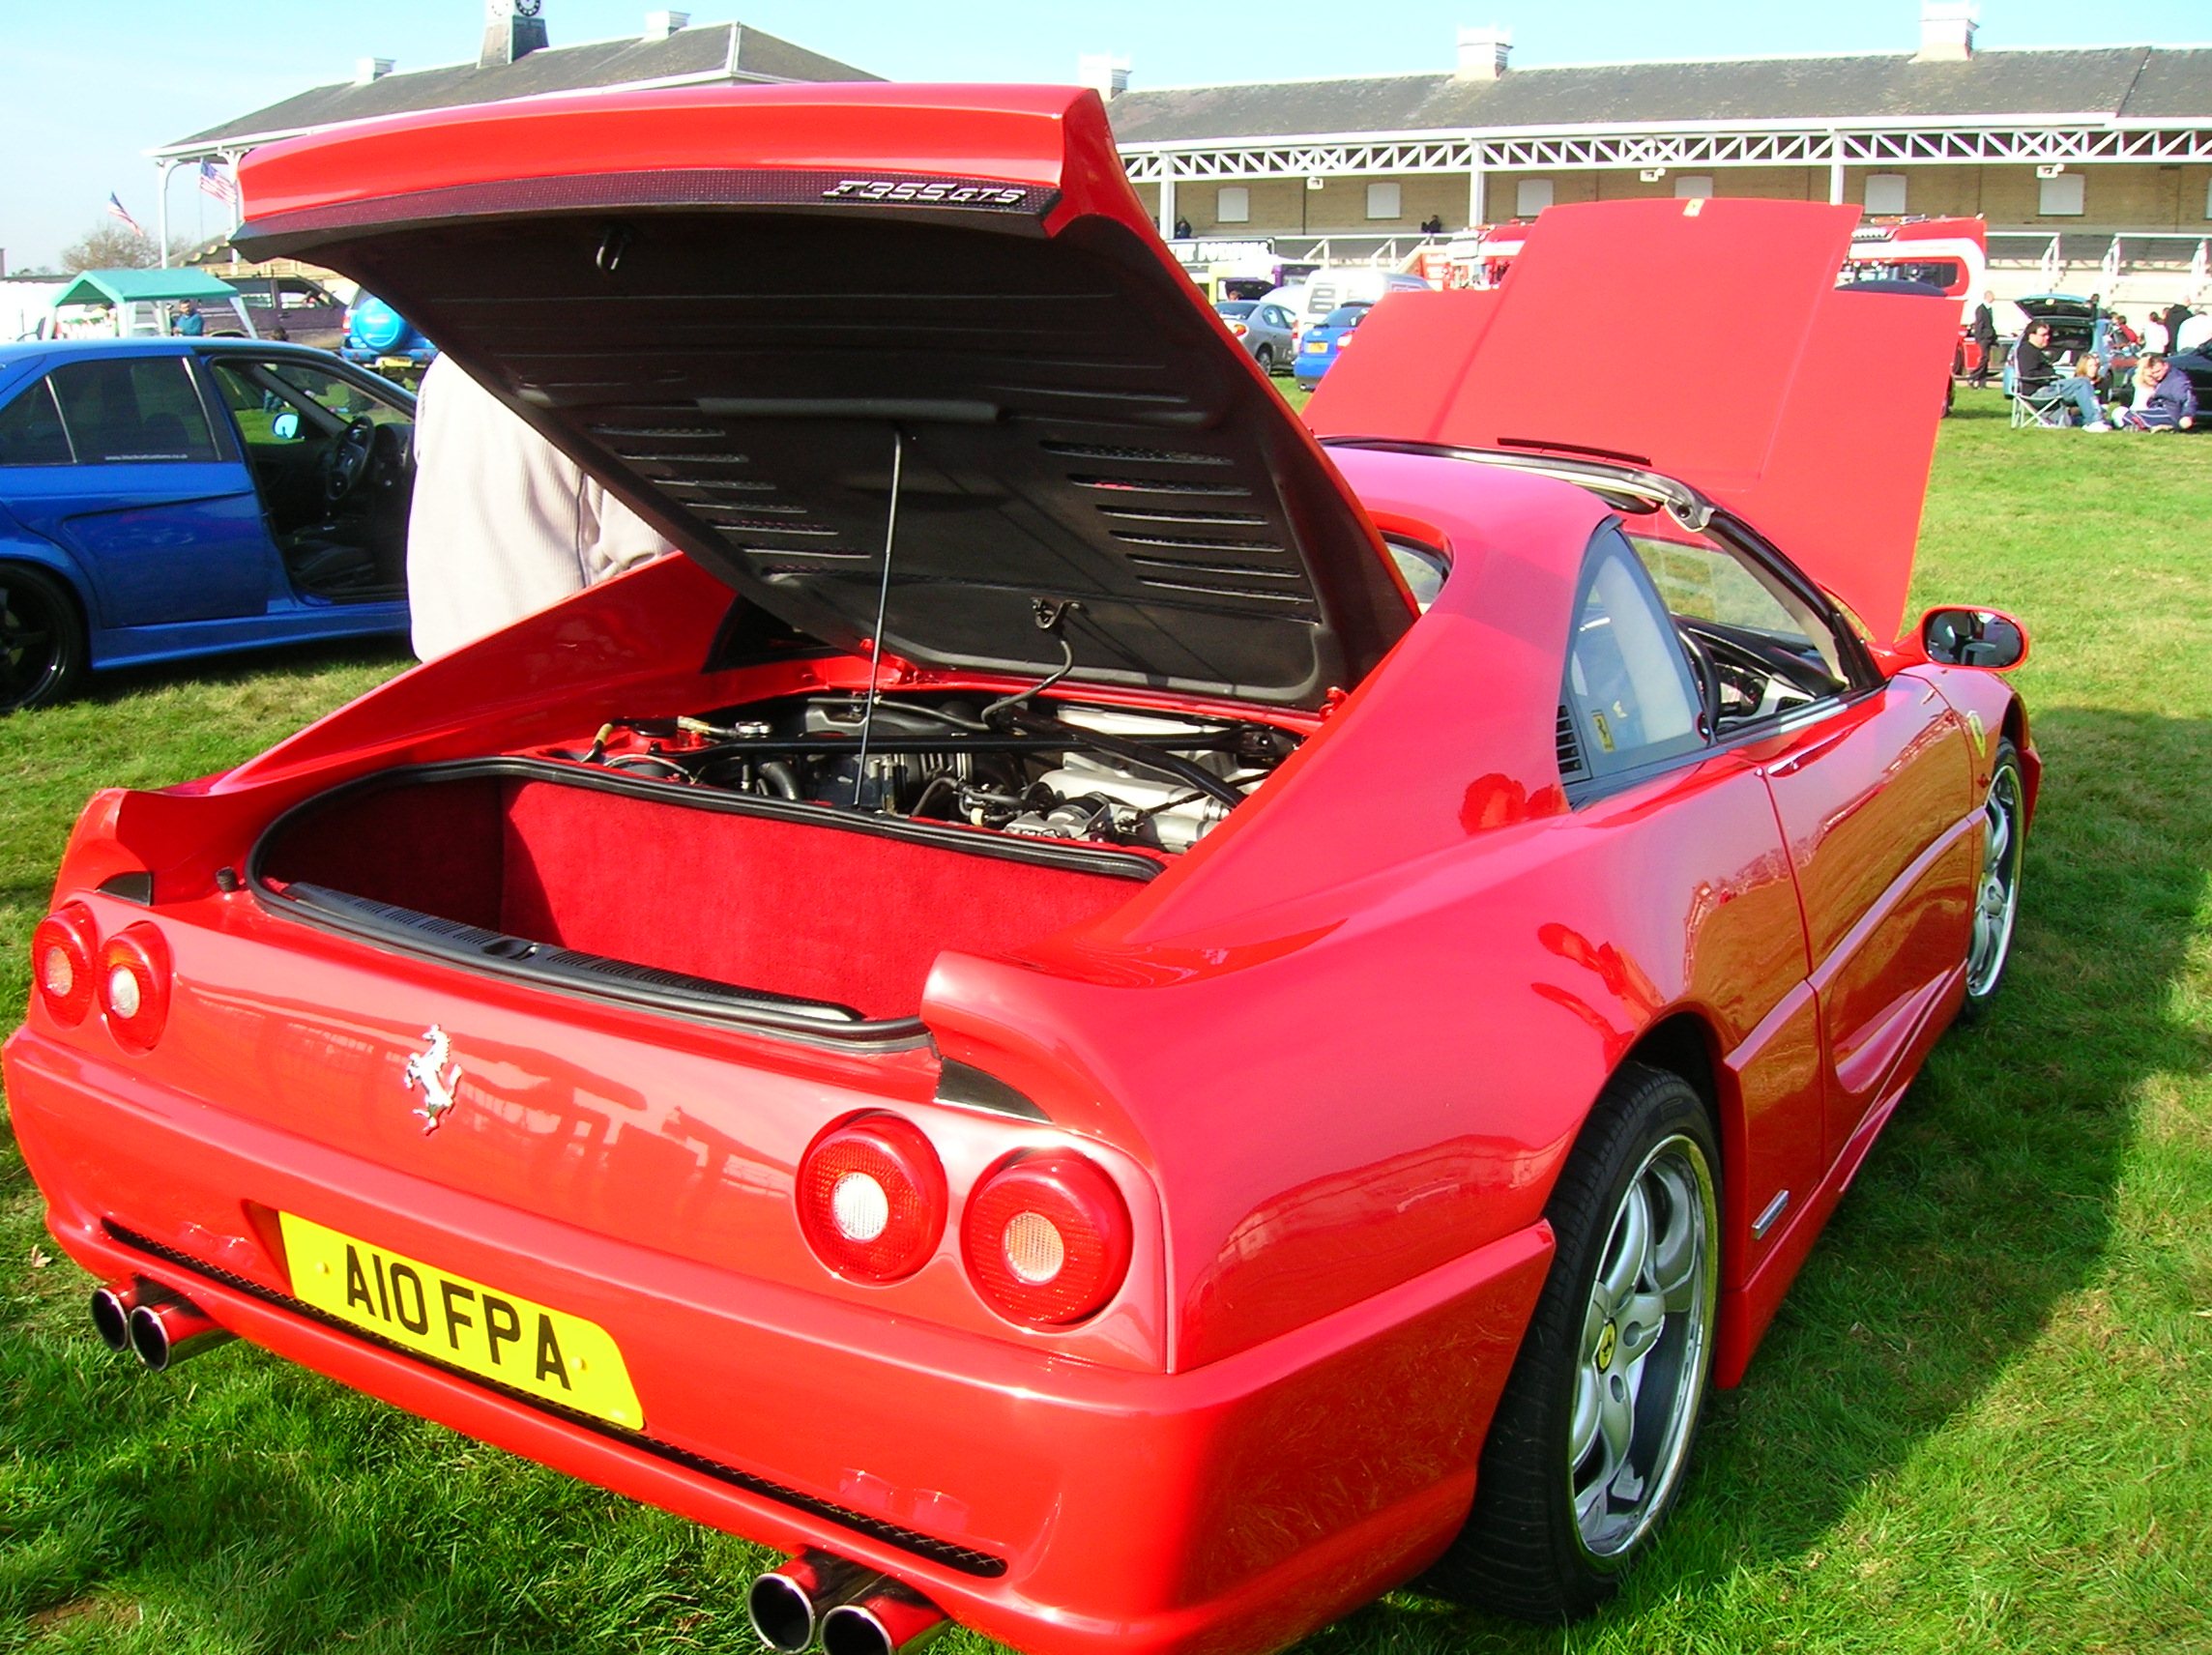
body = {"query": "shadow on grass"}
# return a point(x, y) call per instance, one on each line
point(1987, 1201)
point(246, 665)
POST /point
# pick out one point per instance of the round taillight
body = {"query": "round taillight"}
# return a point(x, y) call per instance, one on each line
point(134, 986)
point(1047, 1238)
point(871, 1198)
point(63, 950)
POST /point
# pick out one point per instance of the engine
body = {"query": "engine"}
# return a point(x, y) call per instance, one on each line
point(1044, 771)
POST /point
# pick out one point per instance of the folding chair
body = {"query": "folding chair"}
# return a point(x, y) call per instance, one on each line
point(2048, 410)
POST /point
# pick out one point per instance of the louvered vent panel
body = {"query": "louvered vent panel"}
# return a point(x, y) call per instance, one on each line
point(1571, 768)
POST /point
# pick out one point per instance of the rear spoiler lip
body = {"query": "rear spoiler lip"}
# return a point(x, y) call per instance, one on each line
point(1008, 206)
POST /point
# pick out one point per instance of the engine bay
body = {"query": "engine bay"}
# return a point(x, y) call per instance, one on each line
point(1030, 768)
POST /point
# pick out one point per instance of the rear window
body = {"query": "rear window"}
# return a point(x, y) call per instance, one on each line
point(139, 410)
point(1237, 309)
point(31, 430)
point(1347, 316)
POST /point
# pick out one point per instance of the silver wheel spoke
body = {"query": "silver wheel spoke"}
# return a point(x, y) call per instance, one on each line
point(1642, 1320)
point(1631, 1246)
point(1582, 1429)
point(1999, 832)
point(1616, 1422)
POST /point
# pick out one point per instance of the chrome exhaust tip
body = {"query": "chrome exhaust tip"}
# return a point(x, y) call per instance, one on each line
point(166, 1331)
point(111, 1308)
point(787, 1603)
point(894, 1619)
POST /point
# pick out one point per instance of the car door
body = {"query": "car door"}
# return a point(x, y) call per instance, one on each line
point(162, 516)
point(1876, 801)
point(1631, 718)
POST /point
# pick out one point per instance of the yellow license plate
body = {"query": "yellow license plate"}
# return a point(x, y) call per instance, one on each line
point(503, 1336)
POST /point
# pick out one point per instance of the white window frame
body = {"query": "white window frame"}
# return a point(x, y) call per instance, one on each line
point(1385, 201)
point(1232, 205)
point(2065, 196)
point(1886, 195)
point(1532, 195)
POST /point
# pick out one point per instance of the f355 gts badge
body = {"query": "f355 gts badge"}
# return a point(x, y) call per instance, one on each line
point(437, 1076)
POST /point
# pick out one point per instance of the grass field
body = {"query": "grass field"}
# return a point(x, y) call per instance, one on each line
point(1982, 1423)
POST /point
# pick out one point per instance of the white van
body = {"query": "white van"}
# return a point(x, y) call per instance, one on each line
point(1352, 284)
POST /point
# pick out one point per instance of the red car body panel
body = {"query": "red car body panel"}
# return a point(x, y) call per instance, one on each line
point(1809, 408)
point(1331, 1058)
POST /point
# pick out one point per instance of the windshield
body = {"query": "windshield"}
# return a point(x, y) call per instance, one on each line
point(1346, 316)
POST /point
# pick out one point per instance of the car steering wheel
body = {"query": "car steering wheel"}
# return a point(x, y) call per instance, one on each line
point(1708, 678)
point(348, 461)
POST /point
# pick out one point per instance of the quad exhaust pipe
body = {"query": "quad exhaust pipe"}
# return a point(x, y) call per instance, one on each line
point(162, 1325)
point(894, 1619)
point(853, 1609)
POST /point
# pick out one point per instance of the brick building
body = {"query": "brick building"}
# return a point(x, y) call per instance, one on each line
point(2092, 166)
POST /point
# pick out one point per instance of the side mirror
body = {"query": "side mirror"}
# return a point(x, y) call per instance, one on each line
point(285, 426)
point(1973, 638)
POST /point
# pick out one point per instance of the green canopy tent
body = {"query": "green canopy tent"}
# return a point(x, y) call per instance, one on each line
point(139, 299)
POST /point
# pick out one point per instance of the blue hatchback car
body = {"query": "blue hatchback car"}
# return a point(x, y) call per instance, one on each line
point(1319, 344)
point(165, 497)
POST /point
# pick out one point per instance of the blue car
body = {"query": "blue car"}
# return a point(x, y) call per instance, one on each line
point(1319, 344)
point(376, 335)
point(168, 498)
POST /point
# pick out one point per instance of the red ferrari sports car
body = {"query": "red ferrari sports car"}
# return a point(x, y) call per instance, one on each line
point(1103, 1016)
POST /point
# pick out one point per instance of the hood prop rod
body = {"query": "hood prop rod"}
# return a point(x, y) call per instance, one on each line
point(882, 603)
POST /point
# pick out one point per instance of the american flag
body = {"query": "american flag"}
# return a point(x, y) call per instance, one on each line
point(115, 210)
point(218, 184)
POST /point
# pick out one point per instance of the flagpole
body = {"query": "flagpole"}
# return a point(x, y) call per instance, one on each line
point(161, 217)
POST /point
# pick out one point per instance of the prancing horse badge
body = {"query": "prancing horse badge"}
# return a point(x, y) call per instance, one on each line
point(438, 1078)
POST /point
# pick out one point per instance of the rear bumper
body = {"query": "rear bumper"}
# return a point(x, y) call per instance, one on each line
point(1056, 1505)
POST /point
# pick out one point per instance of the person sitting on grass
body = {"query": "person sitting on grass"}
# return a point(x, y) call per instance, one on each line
point(2165, 399)
point(2036, 377)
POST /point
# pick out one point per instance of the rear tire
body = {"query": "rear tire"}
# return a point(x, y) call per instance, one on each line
point(1264, 356)
point(1593, 1436)
point(43, 645)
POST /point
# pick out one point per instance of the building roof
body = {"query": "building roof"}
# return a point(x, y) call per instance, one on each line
point(2128, 82)
point(128, 286)
point(718, 52)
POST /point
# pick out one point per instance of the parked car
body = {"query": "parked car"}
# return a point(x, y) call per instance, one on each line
point(1331, 286)
point(378, 336)
point(165, 497)
point(755, 1034)
point(294, 308)
point(1263, 327)
point(1319, 344)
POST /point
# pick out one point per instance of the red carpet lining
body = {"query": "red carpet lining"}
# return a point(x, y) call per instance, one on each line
point(792, 907)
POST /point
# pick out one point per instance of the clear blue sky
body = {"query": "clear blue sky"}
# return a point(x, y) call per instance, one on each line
point(86, 88)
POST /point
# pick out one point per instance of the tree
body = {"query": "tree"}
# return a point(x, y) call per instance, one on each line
point(111, 246)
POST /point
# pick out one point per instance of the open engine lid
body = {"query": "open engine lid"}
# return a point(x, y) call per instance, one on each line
point(732, 306)
point(1731, 362)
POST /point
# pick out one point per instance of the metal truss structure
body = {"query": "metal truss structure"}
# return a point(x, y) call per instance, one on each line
point(2021, 142)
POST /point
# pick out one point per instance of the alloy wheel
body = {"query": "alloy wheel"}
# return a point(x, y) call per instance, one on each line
point(1644, 1355)
point(1997, 898)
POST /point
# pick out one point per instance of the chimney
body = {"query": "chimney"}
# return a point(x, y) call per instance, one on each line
point(1482, 53)
point(659, 26)
point(1947, 31)
point(513, 31)
point(369, 68)
point(1103, 72)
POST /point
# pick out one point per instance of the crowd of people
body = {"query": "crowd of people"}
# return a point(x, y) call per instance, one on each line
point(2161, 397)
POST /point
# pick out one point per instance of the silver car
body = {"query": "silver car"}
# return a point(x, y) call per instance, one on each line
point(1265, 330)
